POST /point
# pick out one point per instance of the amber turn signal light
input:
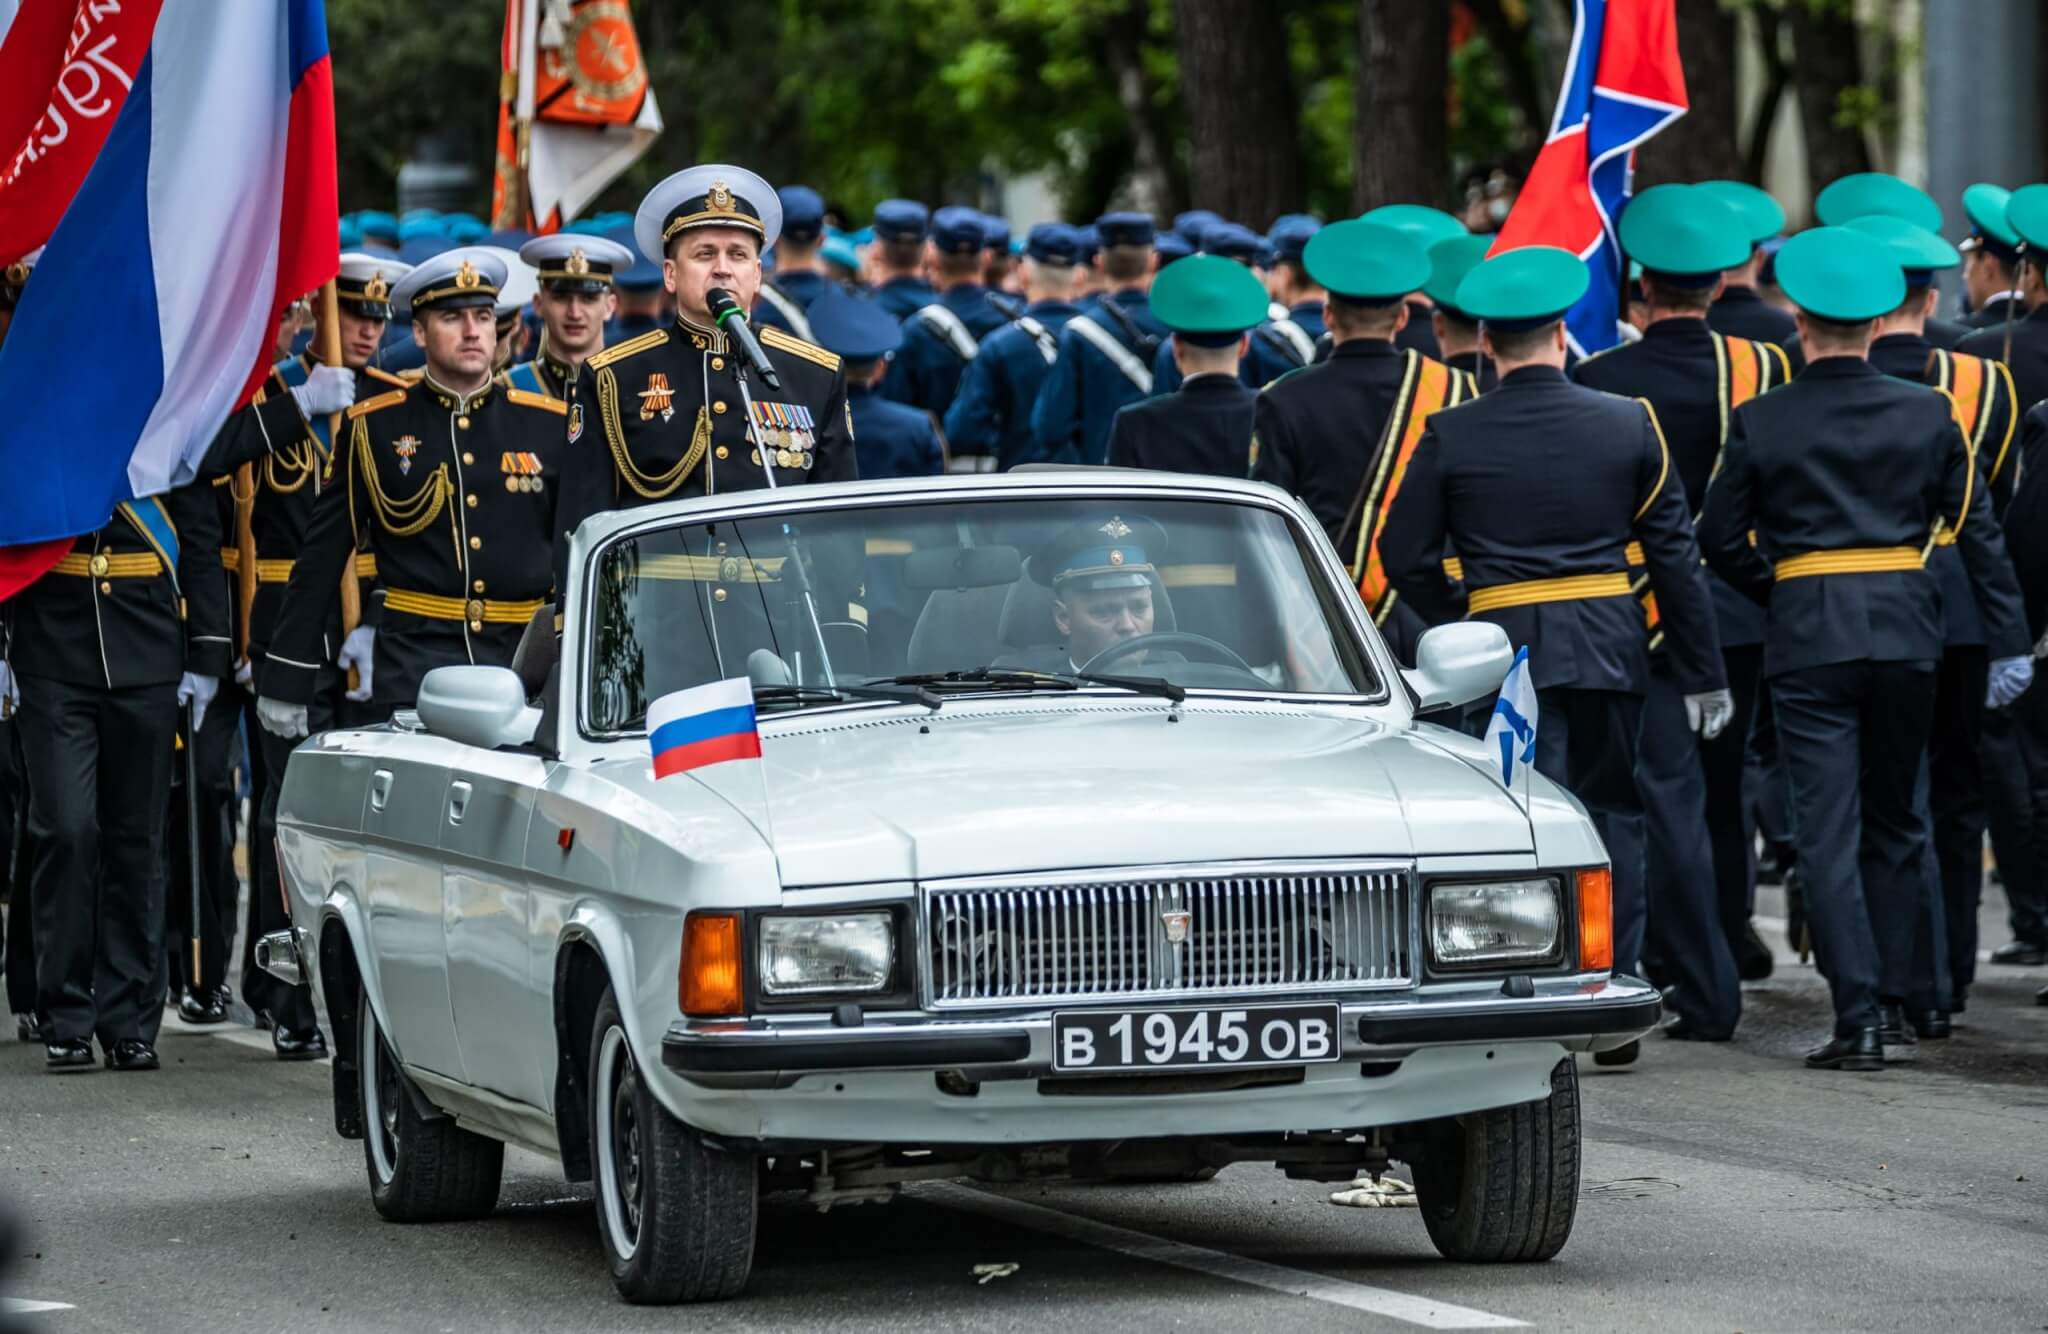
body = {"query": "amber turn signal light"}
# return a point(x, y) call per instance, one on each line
point(1596, 920)
point(708, 982)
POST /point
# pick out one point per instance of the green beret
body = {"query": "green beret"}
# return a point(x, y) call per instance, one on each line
point(1838, 273)
point(1366, 261)
point(1869, 192)
point(1761, 215)
point(1524, 288)
point(1449, 262)
point(1425, 224)
point(1984, 205)
point(2026, 213)
point(1918, 251)
point(1208, 294)
point(1684, 231)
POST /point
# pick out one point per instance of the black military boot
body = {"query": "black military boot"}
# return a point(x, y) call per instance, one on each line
point(1862, 1049)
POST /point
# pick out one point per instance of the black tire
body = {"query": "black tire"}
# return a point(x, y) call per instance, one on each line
point(421, 1170)
point(1502, 1186)
point(676, 1216)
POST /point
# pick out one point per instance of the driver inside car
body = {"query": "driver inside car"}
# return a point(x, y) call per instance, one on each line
point(1103, 583)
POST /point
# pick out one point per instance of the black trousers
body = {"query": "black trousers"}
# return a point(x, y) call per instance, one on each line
point(289, 1006)
point(1852, 737)
point(1731, 820)
point(16, 861)
point(99, 775)
point(1956, 803)
point(1586, 741)
point(2014, 751)
point(1764, 783)
point(1685, 931)
point(1930, 982)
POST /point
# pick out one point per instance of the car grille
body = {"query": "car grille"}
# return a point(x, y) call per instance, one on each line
point(1107, 936)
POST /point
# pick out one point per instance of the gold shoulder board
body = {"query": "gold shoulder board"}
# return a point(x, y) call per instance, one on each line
point(527, 399)
point(368, 405)
point(385, 376)
point(797, 347)
point(652, 338)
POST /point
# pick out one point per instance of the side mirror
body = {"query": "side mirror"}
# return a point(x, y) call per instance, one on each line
point(478, 706)
point(1456, 664)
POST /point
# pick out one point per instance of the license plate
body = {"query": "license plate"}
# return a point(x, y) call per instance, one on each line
point(1103, 1040)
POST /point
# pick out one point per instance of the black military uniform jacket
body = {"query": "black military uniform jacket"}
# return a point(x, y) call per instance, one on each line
point(453, 496)
point(1843, 465)
point(1995, 311)
point(1419, 334)
point(1740, 311)
point(1541, 479)
point(2026, 521)
point(1317, 429)
point(1475, 364)
point(115, 613)
point(661, 416)
point(1204, 427)
point(2028, 357)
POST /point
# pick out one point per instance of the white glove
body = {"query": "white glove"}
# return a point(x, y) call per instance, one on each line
point(197, 691)
point(328, 389)
point(1708, 713)
point(245, 672)
point(357, 651)
point(2009, 679)
point(10, 693)
point(281, 719)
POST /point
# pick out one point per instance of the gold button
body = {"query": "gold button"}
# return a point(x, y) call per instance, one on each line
point(718, 363)
point(478, 586)
point(468, 457)
point(721, 452)
point(106, 587)
point(718, 406)
point(470, 500)
point(99, 564)
point(476, 610)
point(476, 544)
point(476, 626)
point(462, 422)
point(718, 595)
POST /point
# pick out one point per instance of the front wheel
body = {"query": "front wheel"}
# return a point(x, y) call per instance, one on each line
point(676, 1215)
point(1503, 1185)
point(421, 1170)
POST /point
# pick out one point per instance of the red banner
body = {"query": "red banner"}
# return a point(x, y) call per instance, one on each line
point(69, 67)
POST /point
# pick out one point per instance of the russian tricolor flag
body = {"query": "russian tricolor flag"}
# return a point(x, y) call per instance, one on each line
point(150, 316)
point(689, 729)
point(1622, 84)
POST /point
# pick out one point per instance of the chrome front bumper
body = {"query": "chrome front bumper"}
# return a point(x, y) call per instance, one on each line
point(1576, 1013)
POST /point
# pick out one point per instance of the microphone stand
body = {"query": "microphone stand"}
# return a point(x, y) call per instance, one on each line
point(802, 578)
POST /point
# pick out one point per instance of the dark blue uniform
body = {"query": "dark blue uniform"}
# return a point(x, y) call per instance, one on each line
point(1740, 311)
point(891, 439)
point(1849, 466)
point(1070, 422)
point(903, 296)
point(1542, 480)
point(928, 366)
point(801, 286)
point(1203, 427)
point(991, 411)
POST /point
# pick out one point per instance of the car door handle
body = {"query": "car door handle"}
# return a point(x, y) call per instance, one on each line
point(458, 801)
point(380, 789)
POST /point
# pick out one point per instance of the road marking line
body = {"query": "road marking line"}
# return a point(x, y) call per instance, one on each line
point(1218, 1264)
point(23, 1306)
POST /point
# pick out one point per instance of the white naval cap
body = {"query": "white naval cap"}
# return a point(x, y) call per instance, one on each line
point(466, 276)
point(715, 195)
point(365, 281)
point(574, 261)
point(521, 283)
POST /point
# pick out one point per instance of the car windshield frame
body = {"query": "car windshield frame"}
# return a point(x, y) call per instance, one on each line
point(1344, 616)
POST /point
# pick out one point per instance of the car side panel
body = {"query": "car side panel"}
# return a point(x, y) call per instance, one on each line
point(499, 1002)
point(401, 895)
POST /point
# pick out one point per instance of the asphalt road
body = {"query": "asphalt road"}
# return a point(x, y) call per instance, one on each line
point(1725, 1189)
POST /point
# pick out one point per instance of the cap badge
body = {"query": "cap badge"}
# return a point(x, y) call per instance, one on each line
point(1115, 529)
point(405, 447)
point(376, 289)
point(578, 263)
point(1116, 557)
point(721, 197)
point(467, 279)
point(657, 397)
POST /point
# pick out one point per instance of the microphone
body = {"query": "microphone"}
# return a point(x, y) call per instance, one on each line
point(727, 315)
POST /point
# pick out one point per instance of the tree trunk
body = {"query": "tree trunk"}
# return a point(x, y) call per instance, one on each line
point(1514, 43)
point(1401, 135)
point(1826, 67)
point(1702, 144)
point(1124, 53)
point(1243, 119)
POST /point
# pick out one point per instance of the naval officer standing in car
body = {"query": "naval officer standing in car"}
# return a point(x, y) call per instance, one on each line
point(678, 411)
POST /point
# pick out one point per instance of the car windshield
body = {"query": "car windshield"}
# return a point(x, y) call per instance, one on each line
point(923, 601)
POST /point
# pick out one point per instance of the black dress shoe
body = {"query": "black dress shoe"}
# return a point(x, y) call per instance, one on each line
point(67, 1054)
point(290, 1046)
point(1931, 1025)
point(1753, 962)
point(132, 1054)
point(1679, 1030)
point(1894, 1036)
point(2020, 954)
point(1861, 1050)
point(1623, 1055)
point(204, 1007)
point(27, 1028)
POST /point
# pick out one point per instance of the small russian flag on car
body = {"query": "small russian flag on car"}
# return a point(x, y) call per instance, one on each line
point(708, 724)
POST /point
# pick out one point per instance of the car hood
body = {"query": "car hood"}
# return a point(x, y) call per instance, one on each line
point(1016, 786)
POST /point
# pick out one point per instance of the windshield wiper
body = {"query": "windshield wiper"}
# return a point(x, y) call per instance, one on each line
point(790, 694)
point(1000, 678)
point(1144, 685)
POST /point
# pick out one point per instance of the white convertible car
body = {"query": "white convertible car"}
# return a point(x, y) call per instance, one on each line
point(1095, 833)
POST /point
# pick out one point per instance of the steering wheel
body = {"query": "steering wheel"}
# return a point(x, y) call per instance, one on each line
point(1204, 649)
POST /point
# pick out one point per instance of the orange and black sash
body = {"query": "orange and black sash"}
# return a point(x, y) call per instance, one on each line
point(1426, 386)
point(1980, 392)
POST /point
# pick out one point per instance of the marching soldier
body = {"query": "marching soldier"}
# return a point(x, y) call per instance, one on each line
point(638, 285)
point(1696, 821)
point(1845, 476)
point(1457, 333)
point(1211, 305)
point(1991, 259)
point(1541, 486)
point(19, 962)
point(2022, 343)
point(1879, 194)
point(576, 300)
point(891, 439)
point(897, 256)
point(1105, 352)
point(991, 414)
point(1740, 309)
point(2026, 535)
point(106, 650)
point(1339, 434)
point(799, 277)
point(1427, 227)
point(676, 412)
point(943, 337)
point(1287, 338)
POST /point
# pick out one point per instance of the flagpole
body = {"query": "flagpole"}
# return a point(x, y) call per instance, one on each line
point(327, 347)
